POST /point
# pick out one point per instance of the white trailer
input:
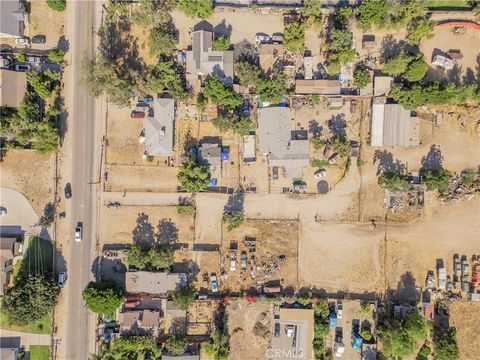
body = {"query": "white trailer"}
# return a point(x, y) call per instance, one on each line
point(442, 278)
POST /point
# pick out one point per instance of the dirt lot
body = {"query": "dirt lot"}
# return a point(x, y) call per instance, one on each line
point(146, 224)
point(249, 327)
point(465, 317)
point(30, 173)
point(141, 178)
point(273, 238)
point(45, 21)
point(201, 317)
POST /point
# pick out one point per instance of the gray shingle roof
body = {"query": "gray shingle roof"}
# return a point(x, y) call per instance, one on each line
point(13, 18)
point(159, 128)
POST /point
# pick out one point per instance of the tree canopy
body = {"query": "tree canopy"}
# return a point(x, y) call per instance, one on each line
point(273, 89)
point(248, 74)
point(294, 37)
point(193, 177)
point(417, 69)
point(233, 219)
point(221, 94)
point(57, 5)
point(217, 346)
point(361, 77)
point(445, 341)
point(221, 43)
point(392, 181)
point(149, 13)
point(240, 125)
point(166, 77)
point(185, 297)
point(397, 65)
point(56, 55)
point(420, 29)
point(437, 179)
point(196, 8)
point(161, 40)
point(104, 297)
point(176, 344)
point(132, 348)
point(312, 10)
point(339, 49)
point(159, 257)
point(412, 67)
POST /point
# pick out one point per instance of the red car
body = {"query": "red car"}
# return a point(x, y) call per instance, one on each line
point(137, 114)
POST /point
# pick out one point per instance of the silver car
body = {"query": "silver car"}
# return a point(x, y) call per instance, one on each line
point(79, 232)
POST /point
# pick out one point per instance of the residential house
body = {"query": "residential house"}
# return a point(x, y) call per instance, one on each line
point(203, 61)
point(9, 248)
point(157, 283)
point(159, 128)
point(284, 147)
point(210, 154)
point(317, 87)
point(139, 322)
point(13, 86)
point(13, 18)
point(294, 341)
point(392, 125)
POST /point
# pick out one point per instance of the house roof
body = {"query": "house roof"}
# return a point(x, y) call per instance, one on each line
point(392, 125)
point(302, 321)
point(141, 319)
point(202, 60)
point(152, 282)
point(210, 154)
point(382, 85)
point(13, 85)
point(13, 18)
point(285, 148)
point(319, 87)
point(159, 128)
point(172, 310)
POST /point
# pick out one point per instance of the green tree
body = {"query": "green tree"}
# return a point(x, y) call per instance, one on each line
point(425, 351)
point(161, 257)
point(343, 15)
point(221, 94)
point(57, 5)
point(100, 77)
point(240, 125)
point(233, 219)
point(161, 41)
point(31, 298)
point(149, 13)
point(193, 176)
point(420, 29)
point(273, 89)
point(294, 37)
point(221, 43)
point(45, 139)
point(393, 182)
point(372, 12)
point(185, 297)
point(340, 50)
point(248, 74)
point(361, 77)
point(132, 347)
point(53, 76)
point(468, 178)
point(21, 57)
point(56, 55)
point(437, 179)
point(196, 8)
point(104, 297)
point(176, 344)
point(35, 80)
point(417, 69)
point(186, 209)
point(217, 346)
point(137, 256)
point(397, 65)
point(166, 77)
point(445, 341)
point(312, 10)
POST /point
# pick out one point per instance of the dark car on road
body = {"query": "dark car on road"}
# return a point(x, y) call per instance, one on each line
point(39, 39)
point(277, 329)
point(68, 191)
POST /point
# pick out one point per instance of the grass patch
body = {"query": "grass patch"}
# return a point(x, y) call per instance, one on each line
point(39, 352)
point(185, 209)
point(39, 256)
point(16, 269)
point(446, 4)
point(38, 327)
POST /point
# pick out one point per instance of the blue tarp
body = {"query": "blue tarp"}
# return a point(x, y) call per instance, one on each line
point(212, 182)
point(225, 154)
point(333, 320)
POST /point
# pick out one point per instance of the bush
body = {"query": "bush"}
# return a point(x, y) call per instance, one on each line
point(294, 37)
point(240, 125)
point(193, 177)
point(361, 78)
point(319, 163)
point(233, 219)
point(56, 55)
point(366, 307)
point(417, 69)
point(425, 351)
point(221, 94)
point(221, 44)
point(166, 77)
point(133, 347)
point(372, 12)
point(445, 341)
point(247, 73)
point(103, 298)
point(21, 57)
point(317, 142)
point(397, 65)
point(35, 80)
point(161, 257)
point(186, 209)
point(393, 182)
point(176, 344)
point(420, 29)
point(437, 179)
point(217, 346)
point(272, 90)
point(312, 10)
point(57, 5)
point(185, 297)
point(196, 8)
point(305, 300)
point(366, 334)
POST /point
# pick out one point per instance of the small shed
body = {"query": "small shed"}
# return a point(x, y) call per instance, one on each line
point(249, 148)
point(308, 67)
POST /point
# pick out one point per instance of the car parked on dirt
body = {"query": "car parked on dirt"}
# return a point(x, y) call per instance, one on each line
point(39, 39)
point(62, 277)
point(214, 284)
point(135, 114)
point(23, 67)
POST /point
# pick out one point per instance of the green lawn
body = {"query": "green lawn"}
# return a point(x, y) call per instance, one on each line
point(446, 4)
point(39, 352)
point(38, 327)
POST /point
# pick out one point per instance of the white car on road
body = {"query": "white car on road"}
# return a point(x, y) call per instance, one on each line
point(79, 232)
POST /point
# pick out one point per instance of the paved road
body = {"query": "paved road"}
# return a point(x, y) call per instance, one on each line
point(79, 166)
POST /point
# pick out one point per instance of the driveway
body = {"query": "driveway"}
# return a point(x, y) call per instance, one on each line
point(20, 214)
point(15, 338)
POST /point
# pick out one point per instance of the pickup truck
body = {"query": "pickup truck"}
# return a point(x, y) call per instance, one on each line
point(214, 284)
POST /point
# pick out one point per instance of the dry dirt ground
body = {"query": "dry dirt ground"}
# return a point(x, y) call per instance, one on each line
point(250, 328)
point(45, 21)
point(201, 317)
point(146, 224)
point(465, 317)
point(30, 173)
point(273, 238)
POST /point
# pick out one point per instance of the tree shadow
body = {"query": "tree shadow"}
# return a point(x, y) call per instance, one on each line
point(386, 163)
point(391, 47)
point(223, 29)
point(235, 202)
point(338, 125)
point(188, 267)
point(433, 160)
point(454, 75)
point(406, 290)
point(143, 234)
point(112, 269)
point(315, 128)
point(63, 44)
point(167, 232)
